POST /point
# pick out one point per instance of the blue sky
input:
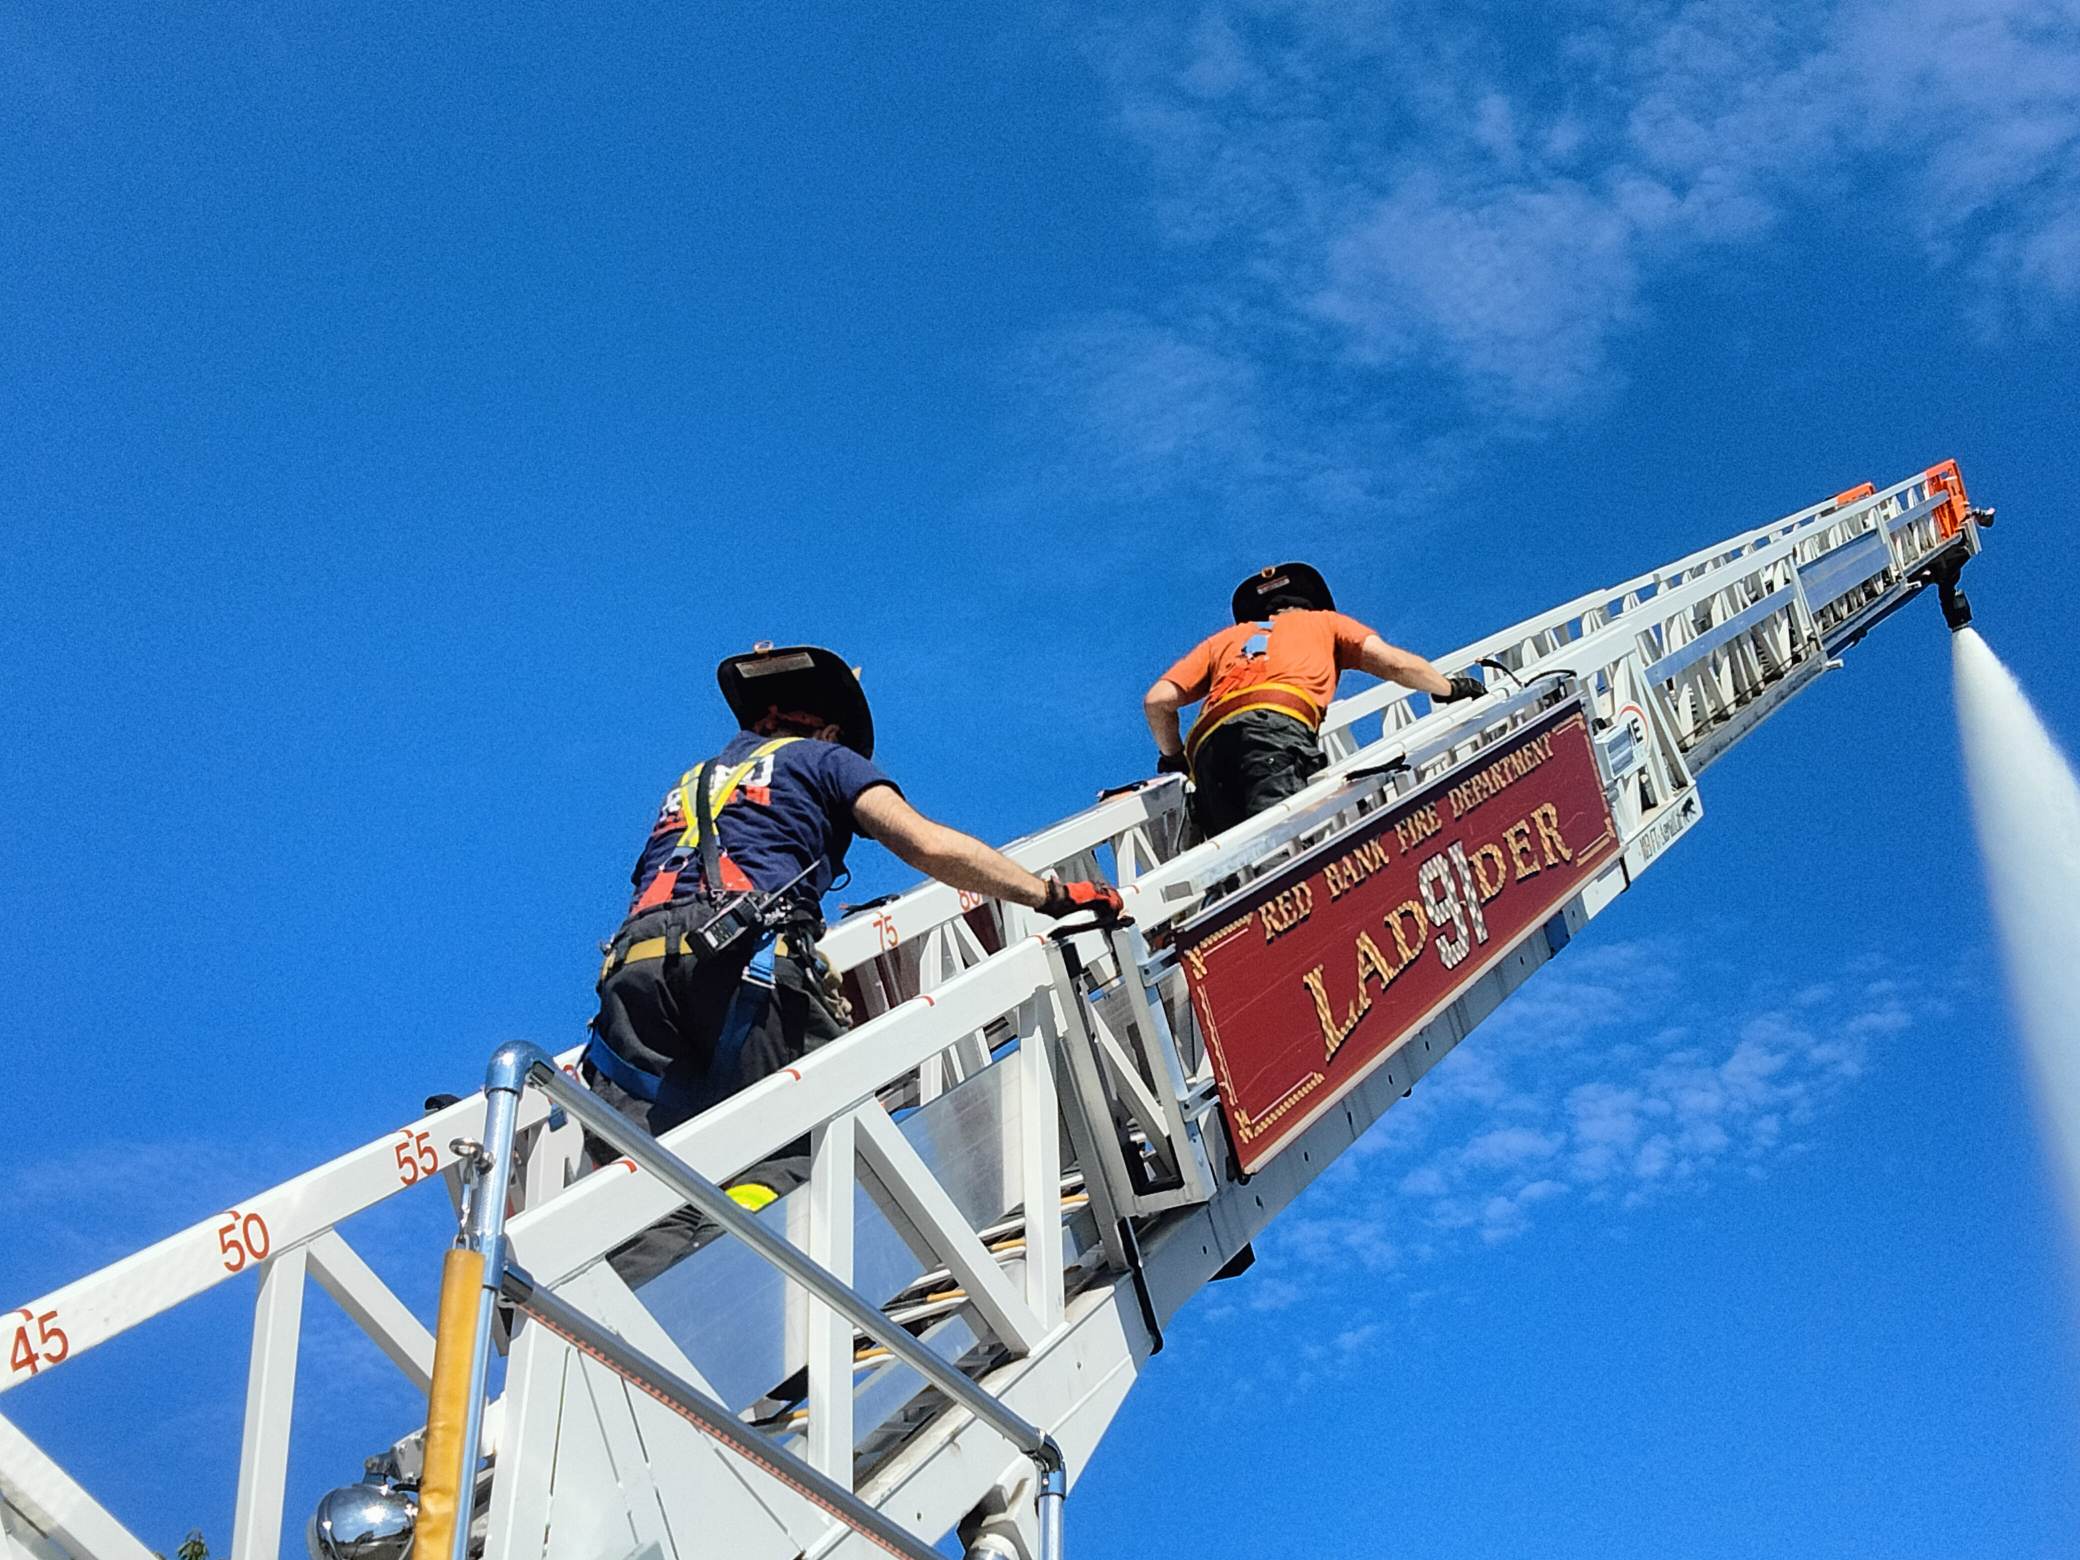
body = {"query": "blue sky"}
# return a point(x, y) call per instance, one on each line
point(405, 411)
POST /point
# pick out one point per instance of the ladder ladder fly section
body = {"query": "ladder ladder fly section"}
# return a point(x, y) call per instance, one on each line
point(1027, 1156)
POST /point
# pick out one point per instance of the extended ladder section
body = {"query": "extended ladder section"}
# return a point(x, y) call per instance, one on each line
point(1033, 1149)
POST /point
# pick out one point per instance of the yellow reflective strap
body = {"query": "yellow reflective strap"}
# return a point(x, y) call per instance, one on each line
point(691, 835)
point(749, 1194)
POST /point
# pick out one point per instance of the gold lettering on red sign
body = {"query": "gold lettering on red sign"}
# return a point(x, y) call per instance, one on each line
point(1486, 882)
point(1518, 838)
point(1408, 944)
point(1417, 827)
point(1373, 965)
point(1548, 820)
point(1499, 776)
point(1286, 911)
point(1333, 1033)
point(1347, 872)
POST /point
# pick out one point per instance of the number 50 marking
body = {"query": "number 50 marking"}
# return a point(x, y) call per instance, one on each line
point(243, 1238)
point(49, 1347)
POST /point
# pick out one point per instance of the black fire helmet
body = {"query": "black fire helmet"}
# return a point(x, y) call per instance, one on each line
point(798, 677)
point(1284, 584)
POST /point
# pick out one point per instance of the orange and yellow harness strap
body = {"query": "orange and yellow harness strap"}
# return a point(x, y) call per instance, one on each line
point(1281, 697)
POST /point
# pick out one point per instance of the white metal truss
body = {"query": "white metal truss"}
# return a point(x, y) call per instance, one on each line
point(1018, 1149)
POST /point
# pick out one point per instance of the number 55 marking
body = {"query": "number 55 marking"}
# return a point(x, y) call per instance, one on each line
point(416, 1156)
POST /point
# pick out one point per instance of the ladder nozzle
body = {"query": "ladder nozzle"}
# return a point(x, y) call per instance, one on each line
point(1957, 606)
point(1944, 573)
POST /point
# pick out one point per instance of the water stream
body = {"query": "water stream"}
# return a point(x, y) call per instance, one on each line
point(2026, 805)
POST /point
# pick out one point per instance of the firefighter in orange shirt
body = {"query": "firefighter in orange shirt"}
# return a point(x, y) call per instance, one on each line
point(1267, 683)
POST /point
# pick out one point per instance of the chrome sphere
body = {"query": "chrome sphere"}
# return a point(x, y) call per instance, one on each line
point(363, 1522)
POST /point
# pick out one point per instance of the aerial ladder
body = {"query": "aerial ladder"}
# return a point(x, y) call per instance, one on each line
point(1035, 1147)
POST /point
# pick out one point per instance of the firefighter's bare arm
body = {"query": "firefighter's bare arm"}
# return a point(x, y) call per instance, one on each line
point(1161, 704)
point(1404, 667)
point(962, 861)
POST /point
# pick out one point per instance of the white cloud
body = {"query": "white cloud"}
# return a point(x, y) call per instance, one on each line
point(1377, 200)
point(1507, 1147)
point(1606, 1085)
point(1515, 288)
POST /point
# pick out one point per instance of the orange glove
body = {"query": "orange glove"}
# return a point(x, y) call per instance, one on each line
point(1101, 899)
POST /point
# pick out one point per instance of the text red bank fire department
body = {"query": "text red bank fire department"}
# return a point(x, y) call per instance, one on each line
point(1332, 963)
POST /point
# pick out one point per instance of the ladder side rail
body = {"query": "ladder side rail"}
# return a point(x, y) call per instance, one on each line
point(229, 1245)
point(601, 1210)
point(879, 1139)
point(1736, 604)
point(1737, 601)
point(1826, 509)
point(110, 1301)
point(1620, 598)
point(863, 937)
point(1175, 889)
point(902, 1175)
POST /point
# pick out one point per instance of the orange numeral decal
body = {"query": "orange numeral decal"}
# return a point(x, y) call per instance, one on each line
point(49, 1347)
point(416, 1156)
point(885, 929)
point(242, 1239)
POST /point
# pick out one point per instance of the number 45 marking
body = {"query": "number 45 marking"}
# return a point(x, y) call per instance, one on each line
point(49, 1347)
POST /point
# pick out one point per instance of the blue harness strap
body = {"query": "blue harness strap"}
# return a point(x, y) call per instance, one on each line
point(753, 992)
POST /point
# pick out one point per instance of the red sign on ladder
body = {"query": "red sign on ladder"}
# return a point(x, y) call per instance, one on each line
point(1309, 981)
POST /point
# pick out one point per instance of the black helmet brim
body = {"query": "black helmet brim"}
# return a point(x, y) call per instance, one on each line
point(1303, 580)
point(798, 677)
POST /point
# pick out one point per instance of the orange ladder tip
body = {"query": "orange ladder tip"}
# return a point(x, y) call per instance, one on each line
point(1945, 478)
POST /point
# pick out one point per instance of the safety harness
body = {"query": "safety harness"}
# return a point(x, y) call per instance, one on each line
point(1281, 697)
point(699, 839)
point(733, 910)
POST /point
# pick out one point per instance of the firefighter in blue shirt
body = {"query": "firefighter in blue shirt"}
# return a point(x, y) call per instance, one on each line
point(712, 982)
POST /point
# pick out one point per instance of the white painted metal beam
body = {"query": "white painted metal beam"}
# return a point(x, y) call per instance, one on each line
point(55, 1504)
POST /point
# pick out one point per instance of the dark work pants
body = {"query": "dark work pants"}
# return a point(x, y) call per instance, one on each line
point(1250, 763)
point(672, 1011)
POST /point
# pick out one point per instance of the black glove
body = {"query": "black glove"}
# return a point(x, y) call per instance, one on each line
point(1102, 899)
point(1172, 764)
point(1463, 687)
